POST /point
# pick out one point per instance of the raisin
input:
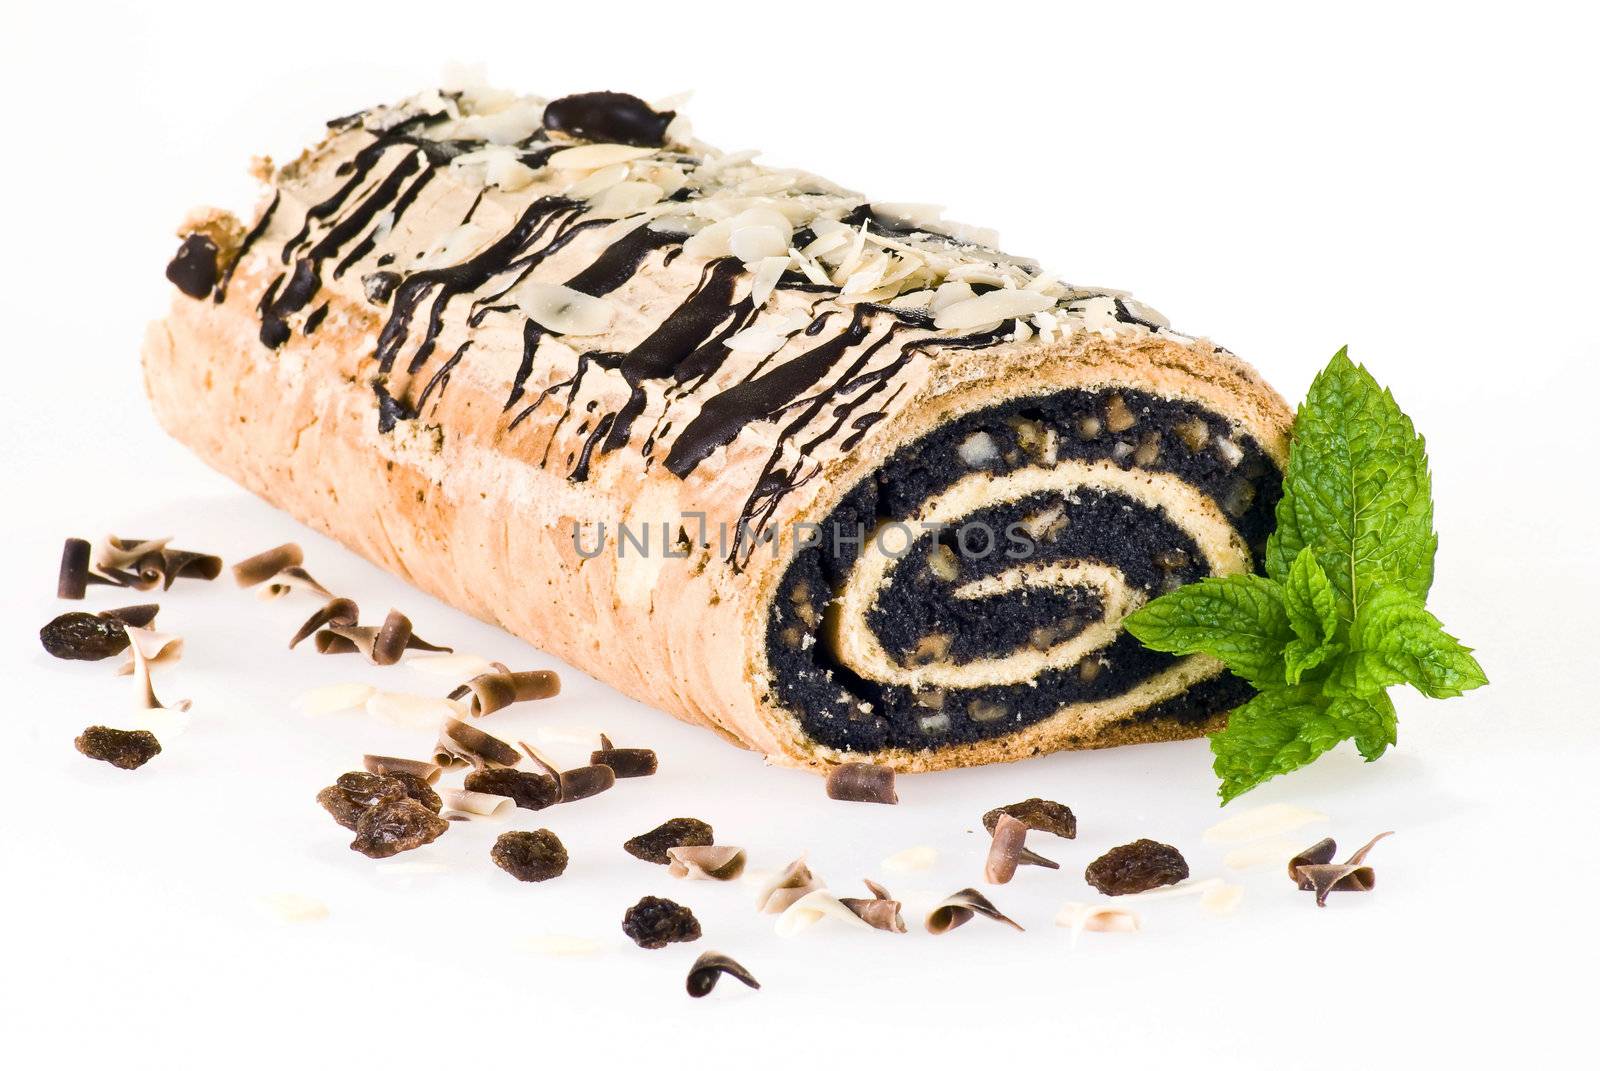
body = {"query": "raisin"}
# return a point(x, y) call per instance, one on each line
point(673, 833)
point(125, 749)
point(418, 789)
point(356, 793)
point(536, 856)
point(1133, 868)
point(657, 923)
point(396, 826)
point(1047, 816)
point(535, 791)
point(84, 637)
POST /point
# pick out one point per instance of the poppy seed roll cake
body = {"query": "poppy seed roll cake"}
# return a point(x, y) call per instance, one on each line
point(834, 478)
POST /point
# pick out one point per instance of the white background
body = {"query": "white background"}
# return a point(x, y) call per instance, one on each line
point(1419, 184)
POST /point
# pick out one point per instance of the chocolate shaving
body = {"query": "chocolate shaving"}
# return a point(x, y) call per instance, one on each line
point(386, 764)
point(585, 781)
point(477, 804)
point(794, 882)
point(341, 613)
point(382, 646)
point(74, 576)
point(881, 912)
point(812, 908)
point(860, 782)
point(539, 760)
point(263, 566)
point(136, 616)
point(293, 578)
point(710, 967)
point(188, 564)
point(141, 563)
point(1314, 871)
point(146, 647)
point(958, 908)
point(706, 862)
point(1005, 850)
point(496, 691)
point(458, 740)
point(624, 761)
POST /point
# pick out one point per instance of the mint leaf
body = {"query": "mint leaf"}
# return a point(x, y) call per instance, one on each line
point(1369, 720)
point(1313, 612)
point(1278, 731)
point(1398, 641)
point(1238, 620)
point(1357, 491)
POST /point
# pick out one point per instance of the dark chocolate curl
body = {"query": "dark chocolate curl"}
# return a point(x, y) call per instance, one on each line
point(194, 269)
point(859, 782)
point(958, 908)
point(138, 616)
point(255, 569)
point(625, 761)
point(74, 577)
point(585, 781)
point(496, 691)
point(463, 740)
point(710, 967)
point(339, 612)
point(1005, 850)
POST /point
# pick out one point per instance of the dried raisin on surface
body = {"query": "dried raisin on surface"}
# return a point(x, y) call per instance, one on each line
point(536, 856)
point(656, 923)
point(1047, 816)
point(356, 793)
point(84, 637)
point(396, 826)
point(673, 833)
point(418, 789)
point(1133, 868)
point(123, 748)
point(535, 791)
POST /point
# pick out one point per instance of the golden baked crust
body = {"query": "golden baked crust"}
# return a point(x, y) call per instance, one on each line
point(461, 459)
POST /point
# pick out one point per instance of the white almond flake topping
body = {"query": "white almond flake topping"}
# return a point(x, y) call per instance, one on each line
point(562, 309)
point(709, 243)
point(919, 858)
point(292, 907)
point(759, 340)
point(755, 244)
point(626, 198)
point(1222, 899)
point(811, 909)
point(949, 294)
point(991, 308)
point(413, 711)
point(590, 157)
point(458, 666)
point(1271, 820)
point(1096, 918)
point(332, 698)
point(596, 182)
point(559, 944)
point(1173, 892)
point(1277, 852)
point(978, 449)
point(767, 274)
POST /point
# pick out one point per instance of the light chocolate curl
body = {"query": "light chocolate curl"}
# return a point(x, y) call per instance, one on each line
point(495, 691)
point(1314, 871)
point(477, 804)
point(1004, 850)
point(706, 862)
point(460, 741)
point(383, 646)
point(794, 882)
point(146, 648)
point(958, 908)
point(881, 912)
point(263, 566)
point(860, 782)
point(293, 578)
point(712, 966)
point(812, 908)
point(386, 764)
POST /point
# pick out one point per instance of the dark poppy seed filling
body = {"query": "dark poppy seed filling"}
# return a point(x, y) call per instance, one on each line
point(1063, 542)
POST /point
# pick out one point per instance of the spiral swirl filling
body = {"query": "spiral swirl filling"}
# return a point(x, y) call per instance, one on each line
point(975, 584)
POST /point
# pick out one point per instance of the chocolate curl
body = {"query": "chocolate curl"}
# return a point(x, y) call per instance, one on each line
point(387, 764)
point(709, 968)
point(881, 912)
point(341, 613)
point(137, 616)
point(263, 566)
point(293, 578)
point(624, 761)
point(147, 647)
point(382, 646)
point(792, 884)
point(74, 575)
point(458, 740)
point(1005, 850)
point(188, 564)
point(860, 782)
point(496, 691)
point(1314, 871)
point(576, 784)
point(958, 908)
point(706, 862)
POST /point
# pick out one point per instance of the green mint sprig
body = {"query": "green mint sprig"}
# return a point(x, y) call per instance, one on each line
point(1339, 617)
